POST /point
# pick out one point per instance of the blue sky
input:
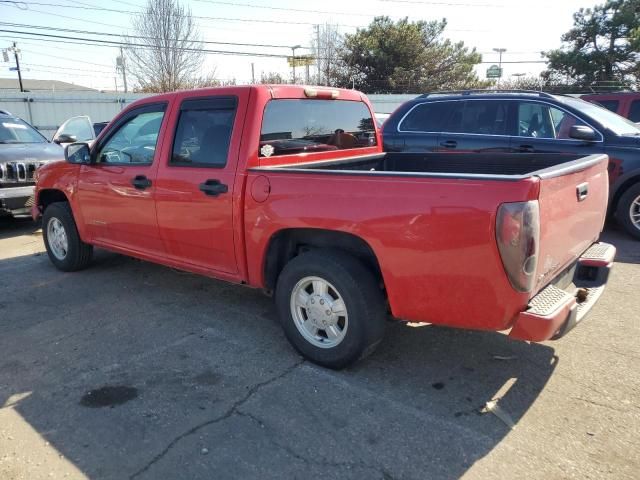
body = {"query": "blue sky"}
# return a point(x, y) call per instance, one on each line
point(523, 27)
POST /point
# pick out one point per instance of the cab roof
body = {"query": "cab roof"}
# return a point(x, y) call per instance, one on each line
point(275, 91)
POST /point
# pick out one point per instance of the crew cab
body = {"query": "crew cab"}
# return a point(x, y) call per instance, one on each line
point(287, 189)
point(625, 104)
point(22, 151)
point(524, 122)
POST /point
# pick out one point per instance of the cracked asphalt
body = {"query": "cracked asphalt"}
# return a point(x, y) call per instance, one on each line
point(130, 370)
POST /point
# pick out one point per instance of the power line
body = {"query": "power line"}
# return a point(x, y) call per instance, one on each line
point(64, 58)
point(71, 74)
point(30, 39)
point(114, 43)
point(211, 42)
point(14, 3)
point(224, 19)
point(330, 12)
point(60, 15)
point(286, 9)
point(130, 12)
point(57, 67)
point(447, 4)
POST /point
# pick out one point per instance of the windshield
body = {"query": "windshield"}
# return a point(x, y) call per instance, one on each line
point(14, 130)
point(614, 122)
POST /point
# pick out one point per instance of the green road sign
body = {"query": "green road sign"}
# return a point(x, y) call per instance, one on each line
point(494, 71)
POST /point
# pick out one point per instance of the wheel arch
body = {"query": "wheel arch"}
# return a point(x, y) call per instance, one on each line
point(286, 244)
point(620, 190)
point(47, 196)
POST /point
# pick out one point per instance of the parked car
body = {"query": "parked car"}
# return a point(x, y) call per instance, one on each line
point(381, 118)
point(22, 151)
point(625, 104)
point(524, 122)
point(341, 236)
point(98, 127)
point(78, 129)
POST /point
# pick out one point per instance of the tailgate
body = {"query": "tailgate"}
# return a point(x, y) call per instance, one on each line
point(573, 204)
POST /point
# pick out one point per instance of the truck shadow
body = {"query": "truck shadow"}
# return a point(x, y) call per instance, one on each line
point(131, 357)
point(14, 227)
point(628, 247)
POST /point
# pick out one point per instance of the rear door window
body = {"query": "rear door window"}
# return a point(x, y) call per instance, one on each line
point(427, 117)
point(634, 111)
point(534, 120)
point(481, 117)
point(204, 131)
point(292, 126)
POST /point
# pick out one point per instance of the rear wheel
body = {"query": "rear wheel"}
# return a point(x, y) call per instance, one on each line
point(628, 211)
point(61, 239)
point(331, 307)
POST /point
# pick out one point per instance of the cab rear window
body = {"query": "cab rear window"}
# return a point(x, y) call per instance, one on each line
point(292, 126)
point(611, 105)
point(634, 111)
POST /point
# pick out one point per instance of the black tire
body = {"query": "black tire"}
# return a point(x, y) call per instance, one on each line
point(78, 254)
point(623, 210)
point(362, 296)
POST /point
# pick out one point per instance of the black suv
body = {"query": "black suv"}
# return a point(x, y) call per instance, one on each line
point(524, 122)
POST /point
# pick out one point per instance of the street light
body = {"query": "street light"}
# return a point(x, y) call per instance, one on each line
point(293, 60)
point(500, 51)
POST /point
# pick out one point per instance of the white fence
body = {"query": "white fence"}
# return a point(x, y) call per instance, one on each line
point(47, 111)
point(387, 103)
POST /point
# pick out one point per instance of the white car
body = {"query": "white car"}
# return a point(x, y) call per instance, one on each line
point(77, 129)
point(381, 117)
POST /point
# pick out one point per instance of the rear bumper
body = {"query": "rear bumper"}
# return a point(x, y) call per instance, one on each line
point(554, 311)
point(17, 200)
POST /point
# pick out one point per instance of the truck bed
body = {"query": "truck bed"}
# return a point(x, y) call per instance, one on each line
point(505, 166)
point(432, 220)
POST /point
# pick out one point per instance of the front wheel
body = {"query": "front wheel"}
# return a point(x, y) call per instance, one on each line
point(61, 239)
point(331, 307)
point(628, 211)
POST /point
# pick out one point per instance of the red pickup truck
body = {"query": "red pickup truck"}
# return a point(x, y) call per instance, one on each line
point(286, 188)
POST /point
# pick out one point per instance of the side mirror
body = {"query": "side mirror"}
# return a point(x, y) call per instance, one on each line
point(582, 132)
point(65, 138)
point(77, 153)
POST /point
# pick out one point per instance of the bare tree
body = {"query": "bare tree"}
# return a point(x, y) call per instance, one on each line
point(165, 52)
point(326, 43)
point(272, 78)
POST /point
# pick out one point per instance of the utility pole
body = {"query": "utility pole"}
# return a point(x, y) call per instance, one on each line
point(317, 27)
point(123, 68)
point(253, 73)
point(15, 51)
point(293, 50)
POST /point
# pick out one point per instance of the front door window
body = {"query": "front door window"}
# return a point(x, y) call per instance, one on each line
point(134, 142)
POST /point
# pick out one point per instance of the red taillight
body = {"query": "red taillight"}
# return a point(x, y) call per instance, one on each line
point(518, 236)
